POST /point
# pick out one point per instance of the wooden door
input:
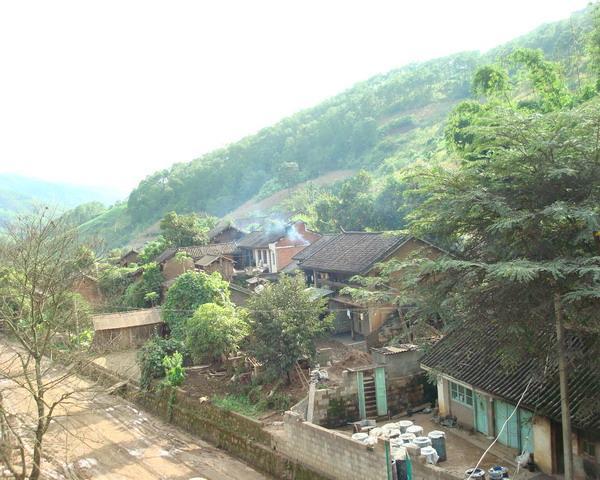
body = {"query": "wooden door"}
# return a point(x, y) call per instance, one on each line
point(362, 409)
point(510, 434)
point(481, 414)
point(381, 391)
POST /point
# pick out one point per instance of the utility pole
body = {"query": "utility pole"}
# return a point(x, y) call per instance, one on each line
point(564, 388)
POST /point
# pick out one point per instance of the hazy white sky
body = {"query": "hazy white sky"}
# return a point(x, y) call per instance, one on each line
point(107, 92)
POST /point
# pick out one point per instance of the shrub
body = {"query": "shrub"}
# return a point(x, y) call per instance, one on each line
point(190, 290)
point(214, 331)
point(152, 354)
point(174, 372)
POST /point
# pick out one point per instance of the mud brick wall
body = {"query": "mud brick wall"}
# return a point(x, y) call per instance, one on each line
point(405, 392)
point(330, 453)
point(339, 405)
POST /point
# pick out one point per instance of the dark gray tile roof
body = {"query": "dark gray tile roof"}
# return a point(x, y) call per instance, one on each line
point(352, 252)
point(470, 354)
point(221, 227)
point(198, 251)
point(313, 248)
point(262, 239)
point(164, 256)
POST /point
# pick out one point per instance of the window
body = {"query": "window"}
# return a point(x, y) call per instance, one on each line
point(588, 448)
point(461, 394)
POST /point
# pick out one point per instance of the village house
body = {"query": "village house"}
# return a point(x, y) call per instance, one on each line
point(474, 386)
point(125, 330)
point(132, 256)
point(272, 248)
point(89, 288)
point(225, 232)
point(218, 257)
point(333, 260)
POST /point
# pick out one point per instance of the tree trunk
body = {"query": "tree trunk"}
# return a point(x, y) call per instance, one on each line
point(564, 388)
point(36, 468)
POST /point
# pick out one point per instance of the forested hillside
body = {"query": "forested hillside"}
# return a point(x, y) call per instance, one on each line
point(379, 125)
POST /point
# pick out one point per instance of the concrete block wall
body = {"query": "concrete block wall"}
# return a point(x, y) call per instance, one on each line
point(330, 453)
point(338, 405)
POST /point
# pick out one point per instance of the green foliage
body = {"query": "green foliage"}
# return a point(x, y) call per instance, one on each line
point(114, 281)
point(150, 357)
point(491, 80)
point(174, 372)
point(285, 323)
point(184, 230)
point(239, 404)
point(190, 290)
point(146, 291)
point(521, 221)
point(276, 401)
point(546, 77)
point(84, 213)
point(152, 250)
point(351, 209)
point(215, 331)
point(368, 127)
point(288, 174)
point(593, 44)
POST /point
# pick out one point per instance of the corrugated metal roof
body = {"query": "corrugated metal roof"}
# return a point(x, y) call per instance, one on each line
point(470, 354)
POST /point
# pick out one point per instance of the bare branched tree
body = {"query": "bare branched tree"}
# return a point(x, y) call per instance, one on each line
point(40, 259)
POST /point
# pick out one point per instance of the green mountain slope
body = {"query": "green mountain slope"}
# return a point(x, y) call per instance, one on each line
point(379, 125)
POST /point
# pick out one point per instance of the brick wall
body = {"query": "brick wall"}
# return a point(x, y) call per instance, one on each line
point(330, 453)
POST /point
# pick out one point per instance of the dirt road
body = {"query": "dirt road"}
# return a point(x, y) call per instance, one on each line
point(104, 437)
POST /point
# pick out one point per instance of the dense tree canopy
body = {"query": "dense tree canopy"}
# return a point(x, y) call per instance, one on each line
point(183, 230)
point(190, 290)
point(215, 331)
point(285, 322)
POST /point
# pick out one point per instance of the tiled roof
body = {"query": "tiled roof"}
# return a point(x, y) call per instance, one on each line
point(469, 354)
point(258, 238)
point(164, 256)
point(313, 248)
point(199, 251)
point(220, 227)
point(352, 252)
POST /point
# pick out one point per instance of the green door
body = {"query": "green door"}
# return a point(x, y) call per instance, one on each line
point(510, 434)
point(526, 424)
point(481, 414)
point(380, 391)
point(362, 409)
